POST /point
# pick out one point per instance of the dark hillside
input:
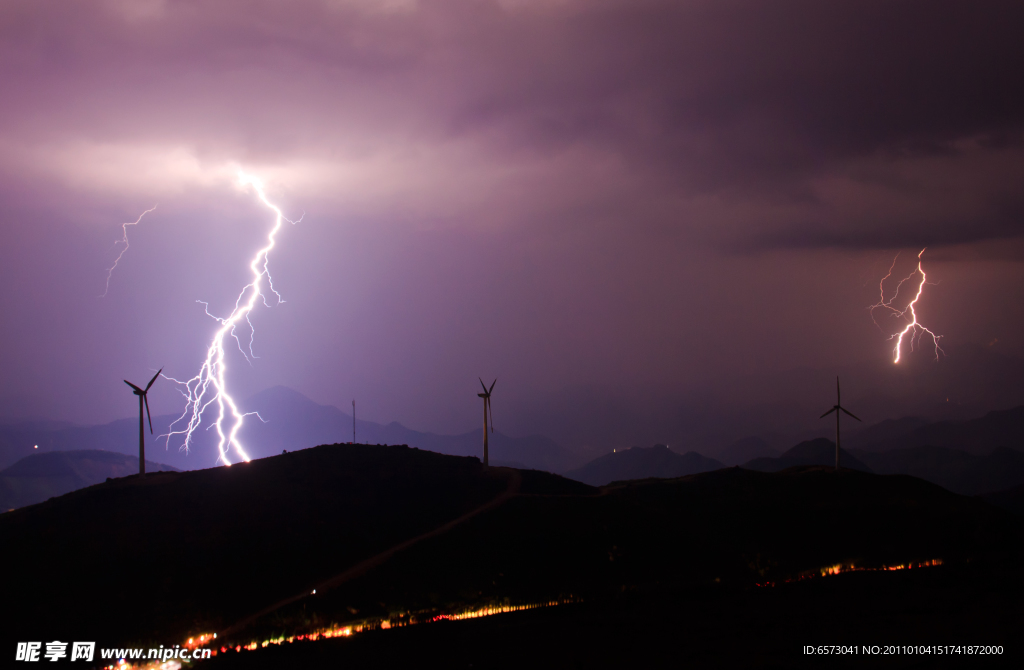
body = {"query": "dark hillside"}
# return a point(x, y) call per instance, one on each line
point(211, 550)
point(713, 627)
point(1010, 499)
point(732, 526)
point(209, 545)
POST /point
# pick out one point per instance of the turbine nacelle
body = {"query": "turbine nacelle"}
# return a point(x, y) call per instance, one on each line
point(145, 399)
point(838, 408)
point(487, 391)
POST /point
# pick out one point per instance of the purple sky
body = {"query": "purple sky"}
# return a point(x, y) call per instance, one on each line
point(595, 199)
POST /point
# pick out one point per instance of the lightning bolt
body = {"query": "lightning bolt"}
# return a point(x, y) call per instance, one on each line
point(124, 241)
point(209, 386)
point(913, 328)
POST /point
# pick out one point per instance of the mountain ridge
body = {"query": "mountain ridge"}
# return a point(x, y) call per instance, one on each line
point(290, 421)
point(642, 463)
point(820, 451)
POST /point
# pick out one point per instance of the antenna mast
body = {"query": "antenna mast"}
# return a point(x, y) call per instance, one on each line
point(353, 422)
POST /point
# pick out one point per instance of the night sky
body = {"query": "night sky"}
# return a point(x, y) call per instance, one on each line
point(597, 202)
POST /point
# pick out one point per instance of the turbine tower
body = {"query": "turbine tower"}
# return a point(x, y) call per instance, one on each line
point(486, 395)
point(837, 408)
point(143, 400)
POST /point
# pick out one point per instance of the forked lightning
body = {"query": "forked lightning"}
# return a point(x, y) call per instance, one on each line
point(913, 328)
point(209, 386)
point(124, 241)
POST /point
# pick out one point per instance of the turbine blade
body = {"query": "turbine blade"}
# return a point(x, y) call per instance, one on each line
point(491, 409)
point(844, 409)
point(492, 386)
point(145, 399)
point(483, 384)
point(838, 402)
point(827, 413)
point(154, 378)
point(133, 386)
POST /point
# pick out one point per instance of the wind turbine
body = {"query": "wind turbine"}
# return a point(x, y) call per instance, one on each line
point(837, 408)
point(143, 400)
point(486, 395)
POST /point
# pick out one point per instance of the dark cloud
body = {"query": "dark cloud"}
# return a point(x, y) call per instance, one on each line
point(754, 102)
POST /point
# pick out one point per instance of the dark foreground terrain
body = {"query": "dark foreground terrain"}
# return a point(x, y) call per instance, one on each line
point(721, 567)
point(711, 627)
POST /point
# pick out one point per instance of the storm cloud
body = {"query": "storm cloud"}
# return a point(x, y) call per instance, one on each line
point(606, 193)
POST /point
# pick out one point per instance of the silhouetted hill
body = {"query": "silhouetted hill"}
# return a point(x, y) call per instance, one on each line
point(255, 534)
point(811, 452)
point(745, 450)
point(37, 477)
point(979, 436)
point(275, 522)
point(642, 463)
point(291, 422)
point(955, 470)
point(662, 542)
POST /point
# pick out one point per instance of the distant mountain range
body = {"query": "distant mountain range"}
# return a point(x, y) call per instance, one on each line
point(811, 452)
point(38, 477)
point(642, 463)
point(291, 422)
point(971, 456)
point(980, 436)
point(782, 407)
point(956, 470)
point(747, 449)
